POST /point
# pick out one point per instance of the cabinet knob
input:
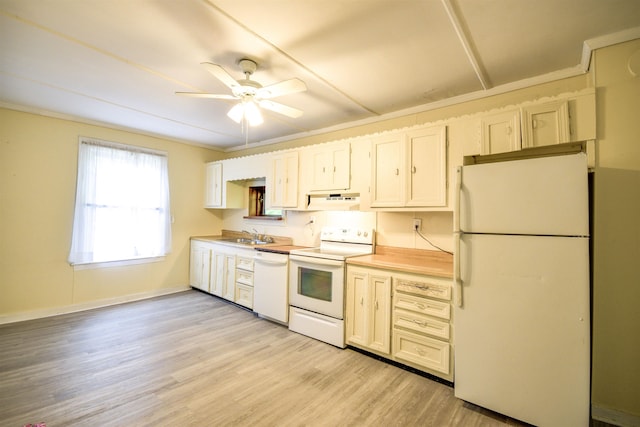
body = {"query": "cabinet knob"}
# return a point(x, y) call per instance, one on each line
point(413, 169)
point(397, 171)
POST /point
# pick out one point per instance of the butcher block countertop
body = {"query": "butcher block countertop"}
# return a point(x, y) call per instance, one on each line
point(419, 261)
point(280, 249)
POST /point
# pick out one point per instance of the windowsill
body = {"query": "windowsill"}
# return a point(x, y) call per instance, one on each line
point(120, 263)
point(264, 217)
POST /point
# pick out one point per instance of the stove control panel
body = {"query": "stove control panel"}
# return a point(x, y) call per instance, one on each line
point(347, 235)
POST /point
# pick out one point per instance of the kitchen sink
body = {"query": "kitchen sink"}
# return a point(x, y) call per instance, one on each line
point(245, 241)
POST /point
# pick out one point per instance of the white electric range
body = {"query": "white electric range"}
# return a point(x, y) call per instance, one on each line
point(317, 282)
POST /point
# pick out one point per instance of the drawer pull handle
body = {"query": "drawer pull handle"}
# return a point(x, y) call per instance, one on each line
point(419, 305)
point(361, 300)
point(376, 304)
point(419, 322)
point(420, 351)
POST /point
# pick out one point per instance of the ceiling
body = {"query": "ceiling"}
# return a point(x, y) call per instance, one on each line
point(119, 62)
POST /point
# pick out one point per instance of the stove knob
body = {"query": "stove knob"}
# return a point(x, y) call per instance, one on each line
point(359, 232)
point(366, 234)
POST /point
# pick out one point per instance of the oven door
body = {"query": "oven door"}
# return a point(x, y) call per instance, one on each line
point(317, 284)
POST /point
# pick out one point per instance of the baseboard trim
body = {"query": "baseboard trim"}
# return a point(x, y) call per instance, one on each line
point(615, 417)
point(55, 311)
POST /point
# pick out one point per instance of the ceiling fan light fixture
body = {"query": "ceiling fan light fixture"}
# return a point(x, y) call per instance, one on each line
point(246, 110)
point(252, 114)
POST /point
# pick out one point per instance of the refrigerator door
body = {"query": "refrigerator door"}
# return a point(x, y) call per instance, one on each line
point(547, 196)
point(522, 334)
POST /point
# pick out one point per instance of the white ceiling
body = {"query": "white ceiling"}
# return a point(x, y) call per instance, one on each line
point(120, 62)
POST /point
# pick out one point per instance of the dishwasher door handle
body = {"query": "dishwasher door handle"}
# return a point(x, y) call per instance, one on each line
point(269, 262)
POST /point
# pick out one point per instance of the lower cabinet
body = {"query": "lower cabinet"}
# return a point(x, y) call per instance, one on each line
point(368, 310)
point(223, 271)
point(199, 266)
point(244, 278)
point(403, 317)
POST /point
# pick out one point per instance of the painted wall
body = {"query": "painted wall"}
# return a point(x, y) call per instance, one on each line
point(616, 285)
point(38, 168)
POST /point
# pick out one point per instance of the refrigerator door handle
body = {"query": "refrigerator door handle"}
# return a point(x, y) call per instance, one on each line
point(457, 279)
point(456, 206)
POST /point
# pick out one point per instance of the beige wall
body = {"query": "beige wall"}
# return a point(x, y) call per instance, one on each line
point(38, 167)
point(616, 286)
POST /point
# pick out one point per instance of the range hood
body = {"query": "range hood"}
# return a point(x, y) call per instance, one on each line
point(333, 201)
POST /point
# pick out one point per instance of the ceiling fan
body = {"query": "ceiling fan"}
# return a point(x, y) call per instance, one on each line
point(251, 94)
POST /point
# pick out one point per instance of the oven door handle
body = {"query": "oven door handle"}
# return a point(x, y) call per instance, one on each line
point(316, 261)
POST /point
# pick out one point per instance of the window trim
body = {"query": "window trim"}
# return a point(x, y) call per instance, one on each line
point(84, 265)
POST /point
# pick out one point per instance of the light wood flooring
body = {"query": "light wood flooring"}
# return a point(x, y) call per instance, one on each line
point(190, 359)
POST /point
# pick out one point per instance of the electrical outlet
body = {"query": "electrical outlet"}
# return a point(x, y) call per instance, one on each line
point(417, 224)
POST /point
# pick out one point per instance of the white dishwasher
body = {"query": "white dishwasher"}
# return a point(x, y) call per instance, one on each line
point(271, 285)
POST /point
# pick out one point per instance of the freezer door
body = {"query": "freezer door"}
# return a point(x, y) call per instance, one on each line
point(547, 196)
point(522, 334)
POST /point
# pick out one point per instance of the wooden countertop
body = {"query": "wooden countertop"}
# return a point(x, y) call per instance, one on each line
point(228, 234)
point(281, 249)
point(419, 261)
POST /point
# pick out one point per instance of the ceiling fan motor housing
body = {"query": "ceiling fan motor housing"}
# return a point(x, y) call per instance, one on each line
point(246, 87)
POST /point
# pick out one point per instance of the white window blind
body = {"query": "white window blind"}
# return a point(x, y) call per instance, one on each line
point(122, 208)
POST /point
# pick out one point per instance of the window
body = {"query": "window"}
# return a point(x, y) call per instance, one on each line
point(122, 203)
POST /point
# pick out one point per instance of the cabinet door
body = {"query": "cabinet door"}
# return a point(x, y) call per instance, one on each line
point(341, 167)
point(218, 267)
point(225, 267)
point(229, 277)
point(388, 171)
point(215, 278)
point(320, 163)
point(500, 132)
point(379, 336)
point(355, 312)
point(213, 185)
point(284, 191)
point(199, 266)
point(427, 167)
point(546, 124)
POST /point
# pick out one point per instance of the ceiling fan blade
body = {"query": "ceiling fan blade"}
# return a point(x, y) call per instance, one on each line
point(206, 95)
point(280, 108)
point(283, 88)
point(221, 74)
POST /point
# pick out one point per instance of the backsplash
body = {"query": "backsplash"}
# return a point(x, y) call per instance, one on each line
point(392, 228)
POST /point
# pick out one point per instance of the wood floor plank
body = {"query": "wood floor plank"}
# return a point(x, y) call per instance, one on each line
point(191, 359)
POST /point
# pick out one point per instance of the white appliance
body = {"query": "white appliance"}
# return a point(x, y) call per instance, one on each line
point(271, 284)
point(522, 315)
point(317, 282)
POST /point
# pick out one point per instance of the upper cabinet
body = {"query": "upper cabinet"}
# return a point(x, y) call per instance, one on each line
point(330, 167)
point(409, 169)
point(282, 182)
point(545, 124)
point(536, 125)
point(213, 185)
point(219, 192)
point(427, 167)
point(500, 132)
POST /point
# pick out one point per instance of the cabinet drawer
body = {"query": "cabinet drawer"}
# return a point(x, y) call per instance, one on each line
point(425, 287)
point(421, 324)
point(244, 277)
point(423, 351)
point(244, 263)
point(244, 295)
point(422, 305)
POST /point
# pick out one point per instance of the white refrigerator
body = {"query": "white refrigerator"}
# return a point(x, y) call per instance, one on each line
point(522, 313)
